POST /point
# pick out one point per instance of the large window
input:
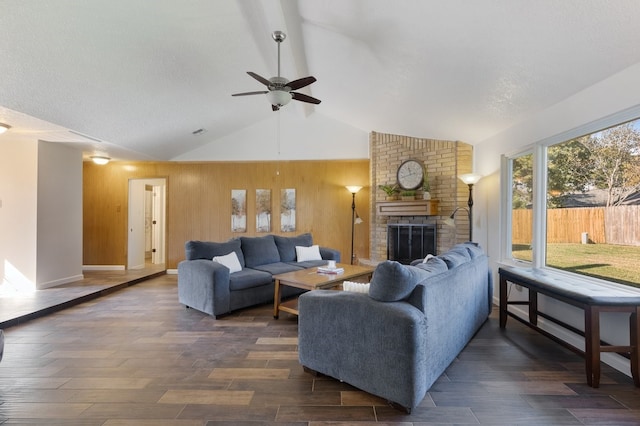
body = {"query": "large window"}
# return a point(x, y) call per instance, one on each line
point(581, 197)
point(521, 207)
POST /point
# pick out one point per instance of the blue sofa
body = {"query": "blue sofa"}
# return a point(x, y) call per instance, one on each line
point(210, 287)
point(397, 340)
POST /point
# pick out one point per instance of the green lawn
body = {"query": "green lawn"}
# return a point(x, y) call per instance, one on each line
point(620, 264)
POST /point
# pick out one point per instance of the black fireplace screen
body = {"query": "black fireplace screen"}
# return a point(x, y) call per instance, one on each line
point(410, 241)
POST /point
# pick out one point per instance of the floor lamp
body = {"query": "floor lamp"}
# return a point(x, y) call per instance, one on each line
point(470, 179)
point(353, 190)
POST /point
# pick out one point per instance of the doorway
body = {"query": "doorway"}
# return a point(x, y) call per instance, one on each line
point(146, 225)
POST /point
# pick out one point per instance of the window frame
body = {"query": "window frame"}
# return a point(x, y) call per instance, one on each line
point(539, 150)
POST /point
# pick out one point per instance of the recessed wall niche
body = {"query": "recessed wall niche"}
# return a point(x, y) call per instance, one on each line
point(444, 160)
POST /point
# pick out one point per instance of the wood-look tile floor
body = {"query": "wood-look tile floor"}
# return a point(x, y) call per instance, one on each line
point(138, 357)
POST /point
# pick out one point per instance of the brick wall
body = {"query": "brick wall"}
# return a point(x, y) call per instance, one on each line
point(444, 160)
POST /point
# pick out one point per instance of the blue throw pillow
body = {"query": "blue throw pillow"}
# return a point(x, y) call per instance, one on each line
point(393, 281)
point(259, 250)
point(208, 250)
point(287, 245)
point(455, 258)
point(473, 249)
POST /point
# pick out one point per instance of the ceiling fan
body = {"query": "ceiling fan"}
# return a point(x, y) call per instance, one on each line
point(280, 89)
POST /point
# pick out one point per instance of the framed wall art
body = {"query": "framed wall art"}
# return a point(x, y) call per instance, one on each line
point(239, 210)
point(263, 210)
point(288, 210)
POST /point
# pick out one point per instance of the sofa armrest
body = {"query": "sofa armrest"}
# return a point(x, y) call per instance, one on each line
point(204, 285)
point(330, 254)
point(375, 346)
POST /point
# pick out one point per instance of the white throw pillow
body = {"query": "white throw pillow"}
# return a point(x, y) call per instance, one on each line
point(355, 287)
point(308, 253)
point(230, 261)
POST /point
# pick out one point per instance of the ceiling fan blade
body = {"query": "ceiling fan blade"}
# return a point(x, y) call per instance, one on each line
point(301, 82)
point(304, 98)
point(259, 78)
point(262, 92)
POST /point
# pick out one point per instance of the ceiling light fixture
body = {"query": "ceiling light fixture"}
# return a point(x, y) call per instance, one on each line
point(100, 159)
point(4, 128)
point(279, 97)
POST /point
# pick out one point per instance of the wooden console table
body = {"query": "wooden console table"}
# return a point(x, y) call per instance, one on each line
point(592, 299)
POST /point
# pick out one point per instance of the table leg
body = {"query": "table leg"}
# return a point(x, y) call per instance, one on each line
point(533, 307)
point(592, 345)
point(276, 298)
point(503, 302)
point(634, 341)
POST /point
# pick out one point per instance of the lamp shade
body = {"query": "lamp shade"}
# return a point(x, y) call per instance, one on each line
point(470, 178)
point(278, 97)
point(353, 188)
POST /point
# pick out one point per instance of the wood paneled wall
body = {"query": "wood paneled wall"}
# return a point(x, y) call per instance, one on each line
point(199, 203)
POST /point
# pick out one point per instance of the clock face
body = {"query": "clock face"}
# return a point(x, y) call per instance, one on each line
point(410, 174)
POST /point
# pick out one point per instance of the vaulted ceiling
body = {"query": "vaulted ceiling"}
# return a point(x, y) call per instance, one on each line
point(140, 76)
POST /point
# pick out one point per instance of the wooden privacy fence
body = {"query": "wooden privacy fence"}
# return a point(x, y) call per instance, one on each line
point(603, 225)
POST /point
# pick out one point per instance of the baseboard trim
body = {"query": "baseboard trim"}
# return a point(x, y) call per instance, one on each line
point(61, 281)
point(103, 267)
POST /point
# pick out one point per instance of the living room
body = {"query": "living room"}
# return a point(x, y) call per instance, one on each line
point(313, 152)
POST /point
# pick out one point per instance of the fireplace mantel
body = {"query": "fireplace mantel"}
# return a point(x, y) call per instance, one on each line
point(407, 208)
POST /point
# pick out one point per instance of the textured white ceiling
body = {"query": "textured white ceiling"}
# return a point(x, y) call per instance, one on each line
point(142, 75)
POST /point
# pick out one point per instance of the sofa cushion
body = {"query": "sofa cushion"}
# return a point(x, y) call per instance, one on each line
point(248, 278)
point(278, 268)
point(393, 281)
point(455, 257)
point(310, 263)
point(230, 261)
point(259, 250)
point(304, 254)
point(434, 265)
point(287, 245)
point(208, 250)
point(473, 249)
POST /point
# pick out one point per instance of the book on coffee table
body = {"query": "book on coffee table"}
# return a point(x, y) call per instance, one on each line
point(325, 270)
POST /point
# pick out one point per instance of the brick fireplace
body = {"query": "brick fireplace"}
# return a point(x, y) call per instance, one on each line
point(444, 160)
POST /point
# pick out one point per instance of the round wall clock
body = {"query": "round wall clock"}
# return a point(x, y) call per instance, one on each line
point(410, 174)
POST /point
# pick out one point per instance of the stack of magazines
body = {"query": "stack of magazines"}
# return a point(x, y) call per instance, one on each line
point(327, 270)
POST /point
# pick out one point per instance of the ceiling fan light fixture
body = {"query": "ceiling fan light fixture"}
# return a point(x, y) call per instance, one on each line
point(278, 97)
point(100, 159)
point(4, 128)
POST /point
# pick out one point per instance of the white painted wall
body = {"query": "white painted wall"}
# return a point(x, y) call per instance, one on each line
point(59, 211)
point(18, 198)
point(287, 135)
point(613, 95)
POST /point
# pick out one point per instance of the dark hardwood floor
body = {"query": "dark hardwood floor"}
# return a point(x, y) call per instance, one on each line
point(137, 357)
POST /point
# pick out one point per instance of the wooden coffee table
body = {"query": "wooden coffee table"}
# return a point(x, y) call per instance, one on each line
point(311, 279)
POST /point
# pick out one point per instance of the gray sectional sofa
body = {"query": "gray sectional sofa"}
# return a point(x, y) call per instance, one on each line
point(212, 288)
point(397, 340)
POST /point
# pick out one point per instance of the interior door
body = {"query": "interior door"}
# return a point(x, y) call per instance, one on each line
point(158, 224)
point(136, 243)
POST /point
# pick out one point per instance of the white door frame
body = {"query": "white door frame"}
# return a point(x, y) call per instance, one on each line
point(136, 227)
